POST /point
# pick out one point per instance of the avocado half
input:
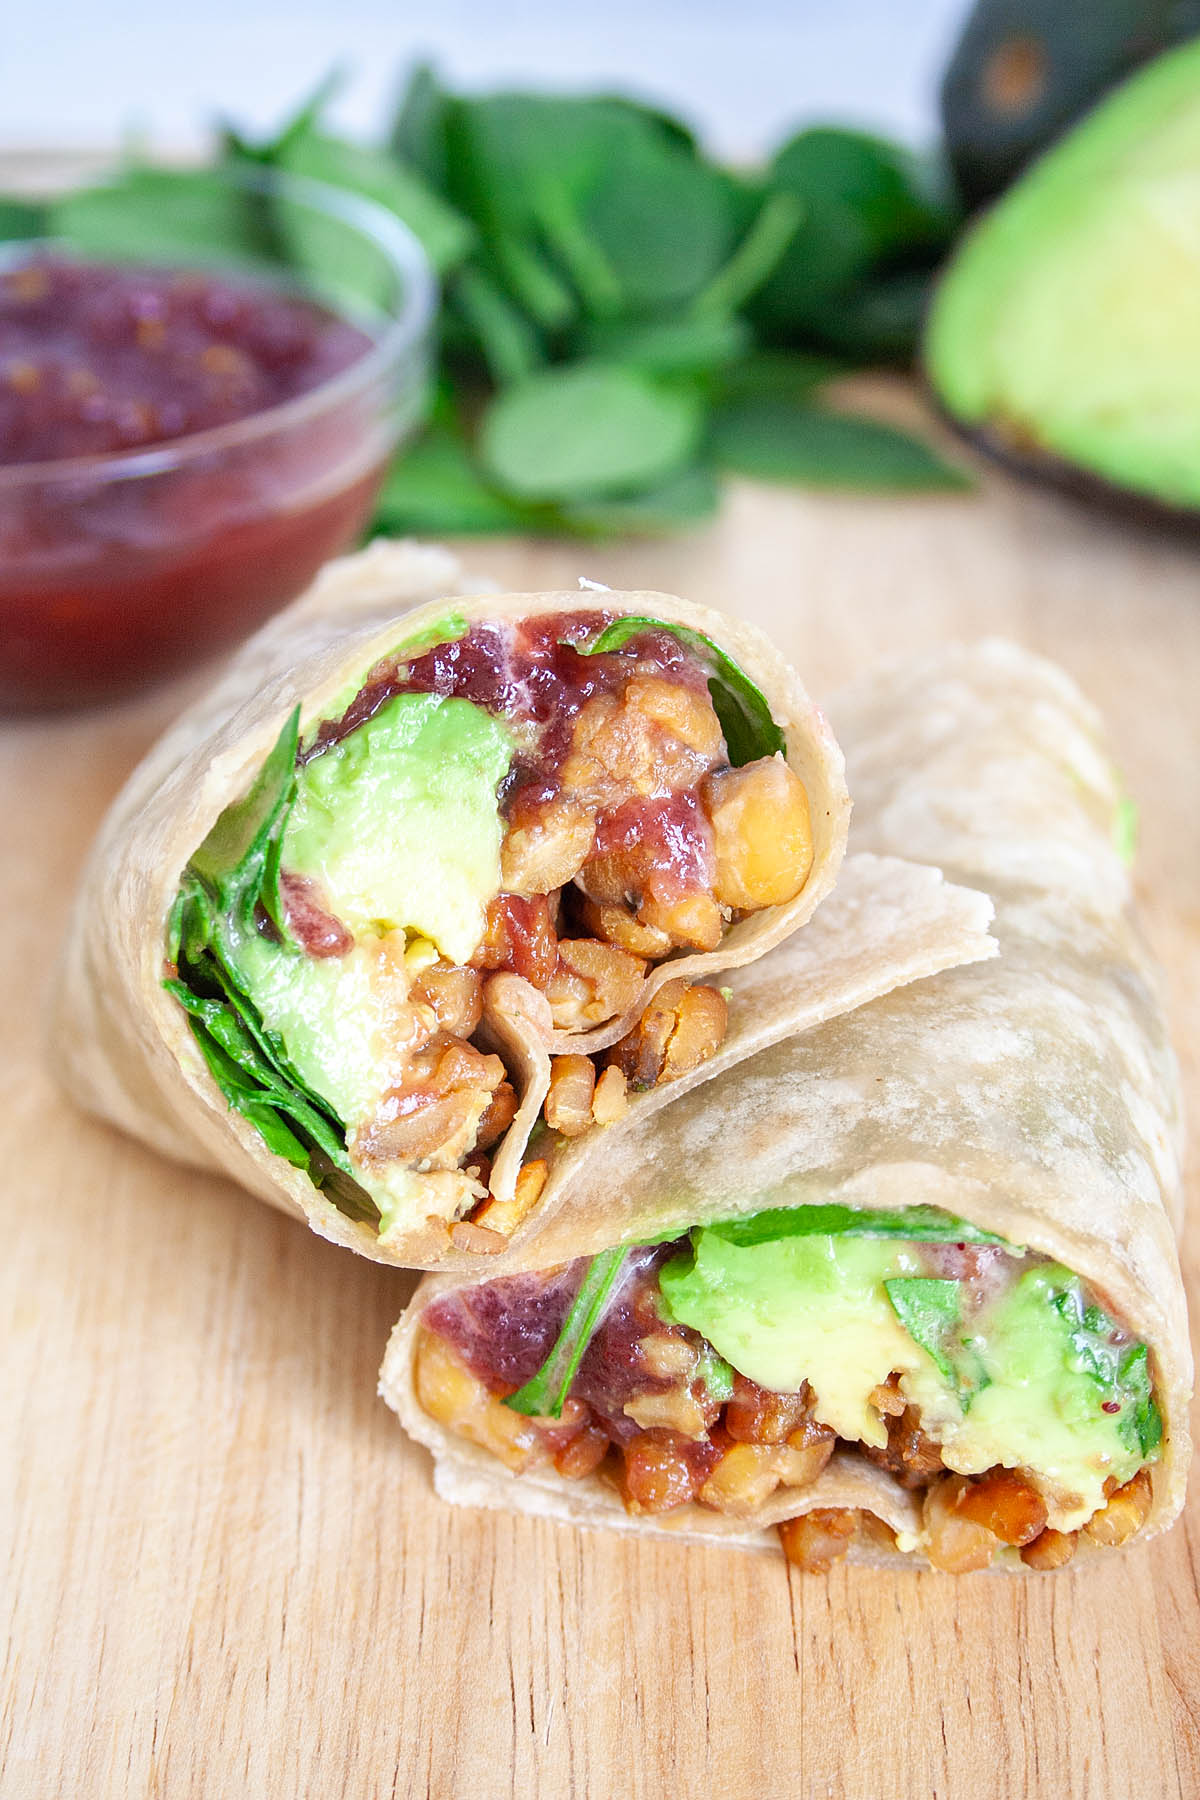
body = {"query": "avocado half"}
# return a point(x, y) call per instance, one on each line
point(1065, 333)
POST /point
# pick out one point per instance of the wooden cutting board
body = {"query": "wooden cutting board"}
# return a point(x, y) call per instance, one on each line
point(227, 1572)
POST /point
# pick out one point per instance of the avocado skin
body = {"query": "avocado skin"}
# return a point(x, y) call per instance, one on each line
point(1040, 469)
point(1024, 70)
point(1061, 339)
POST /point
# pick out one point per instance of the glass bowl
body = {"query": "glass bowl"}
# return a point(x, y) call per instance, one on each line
point(122, 567)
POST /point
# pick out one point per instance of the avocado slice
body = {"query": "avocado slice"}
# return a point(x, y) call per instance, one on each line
point(1064, 335)
point(399, 825)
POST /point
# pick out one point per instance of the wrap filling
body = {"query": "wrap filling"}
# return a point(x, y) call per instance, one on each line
point(489, 841)
point(725, 1369)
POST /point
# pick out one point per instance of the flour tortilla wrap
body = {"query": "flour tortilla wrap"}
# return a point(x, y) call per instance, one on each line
point(1033, 1095)
point(122, 1045)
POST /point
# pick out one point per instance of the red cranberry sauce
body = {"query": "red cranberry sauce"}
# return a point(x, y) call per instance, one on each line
point(310, 923)
point(665, 846)
point(504, 1330)
point(985, 1270)
point(107, 578)
point(96, 359)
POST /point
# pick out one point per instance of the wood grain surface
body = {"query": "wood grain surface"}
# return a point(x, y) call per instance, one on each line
point(223, 1571)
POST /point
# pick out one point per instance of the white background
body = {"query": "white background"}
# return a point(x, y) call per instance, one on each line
point(86, 72)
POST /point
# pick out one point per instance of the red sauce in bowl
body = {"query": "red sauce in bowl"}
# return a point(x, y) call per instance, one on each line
point(154, 503)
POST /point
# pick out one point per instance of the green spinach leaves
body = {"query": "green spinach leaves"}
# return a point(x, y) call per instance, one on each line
point(545, 1394)
point(229, 890)
point(610, 293)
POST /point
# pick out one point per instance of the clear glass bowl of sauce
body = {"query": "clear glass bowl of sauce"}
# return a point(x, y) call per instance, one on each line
point(185, 440)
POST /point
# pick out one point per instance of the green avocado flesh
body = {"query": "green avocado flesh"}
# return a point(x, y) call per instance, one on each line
point(1066, 325)
point(1024, 1382)
point(399, 828)
point(399, 824)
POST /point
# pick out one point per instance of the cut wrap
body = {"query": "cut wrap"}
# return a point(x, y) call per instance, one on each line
point(125, 1047)
point(1033, 1096)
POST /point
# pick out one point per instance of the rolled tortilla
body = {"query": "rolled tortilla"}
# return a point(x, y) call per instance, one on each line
point(1033, 1095)
point(122, 1044)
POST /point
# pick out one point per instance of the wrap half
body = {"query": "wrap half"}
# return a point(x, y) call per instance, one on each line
point(432, 873)
point(907, 1283)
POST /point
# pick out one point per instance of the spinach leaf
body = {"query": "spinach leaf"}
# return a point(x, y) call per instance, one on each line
point(671, 129)
point(899, 198)
point(232, 875)
point(323, 245)
point(779, 375)
point(755, 257)
point(521, 164)
point(244, 1096)
point(254, 1081)
point(1142, 1422)
point(358, 169)
point(555, 215)
point(745, 717)
point(659, 218)
point(866, 203)
point(418, 134)
point(921, 1224)
point(507, 341)
point(1120, 1369)
point(306, 118)
point(229, 1017)
point(544, 1395)
point(532, 281)
point(681, 500)
point(585, 430)
point(930, 1310)
point(880, 320)
point(236, 862)
point(21, 218)
point(577, 176)
point(161, 215)
point(247, 1062)
point(437, 490)
point(668, 346)
point(773, 440)
point(611, 196)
